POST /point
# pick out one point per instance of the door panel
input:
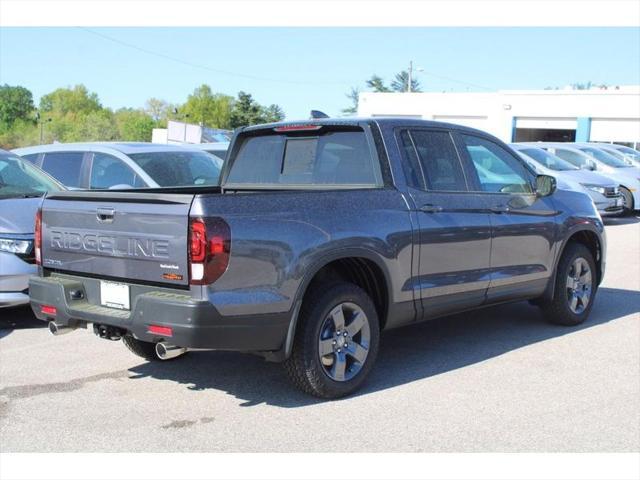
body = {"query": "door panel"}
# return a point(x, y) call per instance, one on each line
point(523, 225)
point(454, 231)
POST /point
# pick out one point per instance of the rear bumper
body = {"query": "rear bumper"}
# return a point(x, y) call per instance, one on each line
point(13, 299)
point(194, 323)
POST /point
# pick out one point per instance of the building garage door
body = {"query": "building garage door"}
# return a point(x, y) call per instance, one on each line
point(538, 129)
point(615, 130)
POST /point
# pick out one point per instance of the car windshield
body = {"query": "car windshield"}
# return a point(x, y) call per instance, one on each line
point(604, 157)
point(19, 179)
point(548, 160)
point(180, 168)
point(629, 152)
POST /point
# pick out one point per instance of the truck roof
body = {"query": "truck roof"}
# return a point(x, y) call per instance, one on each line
point(356, 121)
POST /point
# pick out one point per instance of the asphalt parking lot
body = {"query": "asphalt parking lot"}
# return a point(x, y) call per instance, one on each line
point(496, 380)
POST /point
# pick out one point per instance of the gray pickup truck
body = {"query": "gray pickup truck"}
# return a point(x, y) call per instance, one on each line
point(320, 235)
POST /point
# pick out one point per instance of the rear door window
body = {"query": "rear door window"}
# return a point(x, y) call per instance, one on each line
point(439, 160)
point(331, 158)
point(64, 166)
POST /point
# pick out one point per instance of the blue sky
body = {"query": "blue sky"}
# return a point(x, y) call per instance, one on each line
point(305, 68)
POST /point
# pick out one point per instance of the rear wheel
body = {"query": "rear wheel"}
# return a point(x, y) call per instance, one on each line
point(575, 288)
point(336, 341)
point(627, 201)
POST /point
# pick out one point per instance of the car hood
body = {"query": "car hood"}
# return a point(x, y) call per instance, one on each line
point(587, 176)
point(18, 214)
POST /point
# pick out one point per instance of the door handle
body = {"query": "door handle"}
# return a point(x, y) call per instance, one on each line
point(428, 208)
point(500, 209)
point(105, 215)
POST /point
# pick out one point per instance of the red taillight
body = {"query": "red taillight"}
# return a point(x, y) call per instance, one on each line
point(209, 247)
point(296, 128)
point(49, 310)
point(158, 330)
point(198, 241)
point(38, 238)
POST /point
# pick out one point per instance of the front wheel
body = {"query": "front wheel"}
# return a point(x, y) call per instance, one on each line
point(627, 201)
point(336, 341)
point(575, 288)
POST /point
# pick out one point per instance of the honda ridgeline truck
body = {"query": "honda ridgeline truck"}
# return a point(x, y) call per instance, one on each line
point(320, 235)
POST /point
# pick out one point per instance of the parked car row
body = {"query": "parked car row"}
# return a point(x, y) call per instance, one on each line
point(108, 165)
point(594, 167)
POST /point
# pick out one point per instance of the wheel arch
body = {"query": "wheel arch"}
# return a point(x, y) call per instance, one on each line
point(590, 238)
point(359, 266)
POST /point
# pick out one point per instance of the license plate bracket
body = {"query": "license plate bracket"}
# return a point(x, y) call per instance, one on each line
point(115, 295)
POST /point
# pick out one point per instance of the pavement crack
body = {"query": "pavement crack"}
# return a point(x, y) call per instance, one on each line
point(186, 423)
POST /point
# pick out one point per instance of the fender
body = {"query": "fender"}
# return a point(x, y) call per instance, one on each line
point(582, 227)
point(316, 266)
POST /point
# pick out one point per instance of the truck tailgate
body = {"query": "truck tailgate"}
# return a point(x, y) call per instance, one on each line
point(130, 236)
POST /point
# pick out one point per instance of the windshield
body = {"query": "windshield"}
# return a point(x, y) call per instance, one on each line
point(19, 178)
point(179, 169)
point(629, 152)
point(548, 160)
point(604, 157)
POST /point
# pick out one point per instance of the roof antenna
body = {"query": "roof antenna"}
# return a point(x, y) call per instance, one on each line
point(318, 114)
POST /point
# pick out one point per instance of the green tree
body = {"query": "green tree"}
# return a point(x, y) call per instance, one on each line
point(134, 125)
point(376, 84)
point(22, 133)
point(16, 103)
point(70, 100)
point(273, 113)
point(93, 127)
point(401, 82)
point(246, 111)
point(157, 109)
point(207, 108)
point(354, 96)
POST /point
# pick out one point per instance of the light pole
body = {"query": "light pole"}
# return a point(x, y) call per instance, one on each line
point(410, 76)
point(41, 122)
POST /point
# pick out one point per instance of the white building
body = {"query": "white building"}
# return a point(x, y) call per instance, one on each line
point(599, 115)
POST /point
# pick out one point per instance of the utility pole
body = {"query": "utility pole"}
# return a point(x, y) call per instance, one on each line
point(410, 76)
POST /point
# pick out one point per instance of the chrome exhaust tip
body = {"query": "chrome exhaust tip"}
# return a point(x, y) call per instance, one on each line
point(165, 351)
point(56, 329)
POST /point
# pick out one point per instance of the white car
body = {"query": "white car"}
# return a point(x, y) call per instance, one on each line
point(591, 158)
point(106, 165)
point(626, 154)
point(603, 190)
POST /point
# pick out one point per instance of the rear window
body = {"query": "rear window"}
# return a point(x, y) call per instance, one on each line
point(179, 169)
point(332, 158)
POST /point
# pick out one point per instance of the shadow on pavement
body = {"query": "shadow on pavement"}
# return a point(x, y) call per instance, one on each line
point(626, 220)
point(17, 318)
point(406, 354)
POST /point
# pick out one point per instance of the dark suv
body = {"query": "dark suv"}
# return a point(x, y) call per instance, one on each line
point(321, 234)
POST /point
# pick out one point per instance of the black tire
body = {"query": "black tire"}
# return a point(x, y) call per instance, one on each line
point(304, 366)
point(628, 201)
point(146, 350)
point(558, 310)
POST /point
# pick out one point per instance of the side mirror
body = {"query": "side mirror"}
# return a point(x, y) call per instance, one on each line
point(545, 185)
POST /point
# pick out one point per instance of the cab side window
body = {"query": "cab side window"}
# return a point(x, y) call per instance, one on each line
point(433, 159)
point(497, 170)
point(108, 171)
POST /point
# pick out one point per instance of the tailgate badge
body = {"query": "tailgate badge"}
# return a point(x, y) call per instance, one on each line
point(105, 215)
